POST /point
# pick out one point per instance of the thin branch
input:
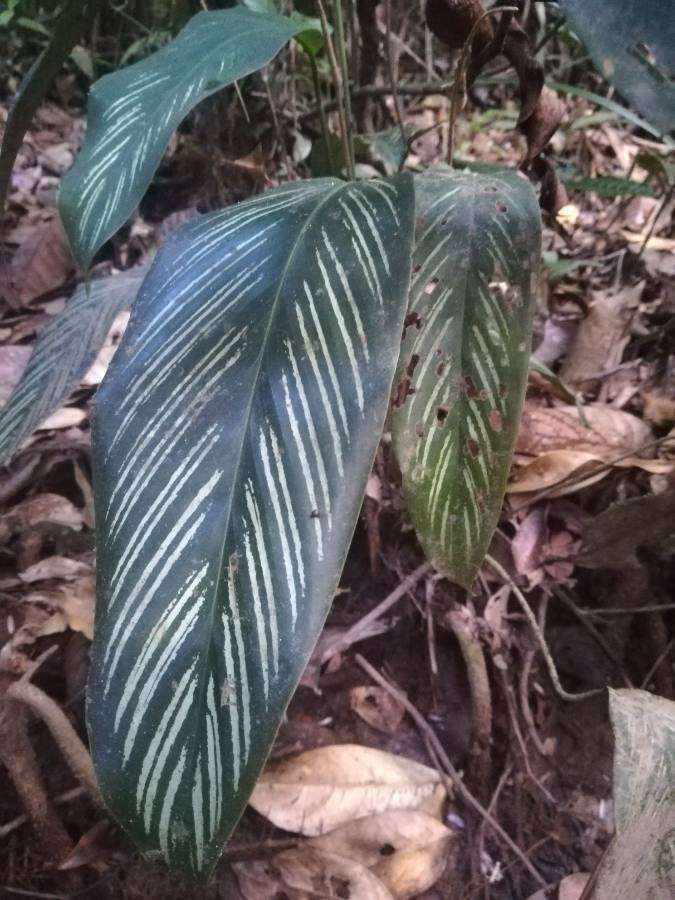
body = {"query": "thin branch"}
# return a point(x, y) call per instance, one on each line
point(344, 83)
point(438, 753)
point(541, 640)
point(337, 78)
point(390, 71)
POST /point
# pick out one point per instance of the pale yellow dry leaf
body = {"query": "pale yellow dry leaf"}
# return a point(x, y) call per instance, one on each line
point(653, 242)
point(65, 417)
point(100, 365)
point(609, 432)
point(308, 874)
point(572, 887)
point(321, 789)
point(74, 601)
point(376, 707)
point(55, 567)
point(407, 850)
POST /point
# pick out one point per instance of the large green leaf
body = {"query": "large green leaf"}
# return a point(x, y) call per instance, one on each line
point(632, 42)
point(132, 113)
point(233, 436)
point(640, 861)
point(466, 352)
point(64, 350)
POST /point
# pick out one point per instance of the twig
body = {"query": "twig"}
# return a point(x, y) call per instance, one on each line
point(626, 612)
point(361, 628)
point(76, 754)
point(337, 78)
point(463, 625)
point(543, 646)
point(438, 754)
point(277, 126)
point(660, 658)
point(65, 797)
point(390, 71)
point(344, 82)
point(525, 702)
point(322, 112)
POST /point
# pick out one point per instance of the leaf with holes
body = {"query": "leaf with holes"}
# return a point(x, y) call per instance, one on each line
point(632, 42)
point(233, 437)
point(132, 113)
point(465, 357)
point(65, 349)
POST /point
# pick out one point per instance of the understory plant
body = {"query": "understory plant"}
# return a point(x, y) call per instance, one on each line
point(237, 425)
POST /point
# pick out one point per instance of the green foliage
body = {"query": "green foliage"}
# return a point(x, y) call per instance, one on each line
point(465, 356)
point(64, 351)
point(609, 187)
point(133, 112)
point(632, 42)
point(233, 438)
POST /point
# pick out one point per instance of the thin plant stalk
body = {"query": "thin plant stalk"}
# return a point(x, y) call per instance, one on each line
point(392, 76)
point(337, 78)
point(322, 112)
point(344, 66)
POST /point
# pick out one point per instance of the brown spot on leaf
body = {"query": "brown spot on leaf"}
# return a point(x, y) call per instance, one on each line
point(495, 420)
point(442, 414)
point(470, 388)
point(419, 429)
point(473, 447)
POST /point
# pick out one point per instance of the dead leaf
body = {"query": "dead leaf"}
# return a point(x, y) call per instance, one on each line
point(40, 510)
point(602, 336)
point(308, 874)
point(572, 887)
point(376, 707)
point(41, 264)
point(54, 567)
point(93, 848)
point(542, 124)
point(74, 601)
point(406, 850)
point(610, 431)
point(100, 365)
point(65, 417)
point(13, 360)
point(321, 789)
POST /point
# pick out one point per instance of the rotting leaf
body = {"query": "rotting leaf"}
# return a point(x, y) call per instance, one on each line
point(376, 707)
point(321, 789)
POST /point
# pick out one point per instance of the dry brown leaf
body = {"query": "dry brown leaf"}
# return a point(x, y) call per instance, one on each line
point(55, 567)
point(602, 336)
point(13, 360)
point(406, 850)
point(611, 431)
point(41, 264)
point(74, 601)
point(321, 789)
point(308, 874)
point(376, 707)
point(42, 509)
point(572, 887)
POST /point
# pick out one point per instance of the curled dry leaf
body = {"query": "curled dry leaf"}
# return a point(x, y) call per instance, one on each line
point(74, 602)
point(321, 789)
point(406, 850)
point(542, 124)
point(376, 707)
point(602, 336)
point(55, 567)
point(100, 365)
point(66, 417)
point(308, 874)
point(42, 509)
point(572, 887)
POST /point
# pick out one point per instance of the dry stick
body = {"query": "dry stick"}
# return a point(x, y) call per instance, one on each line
point(65, 797)
point(360, 628)
point(390, 71)
point(462, 625)
point(277, 125)
point(438, 753)
point(322, 112)
point(660, 658)
point(460, 73)
point(529, 615)
point(344, 83)
point(626, 612)
point(525, 702)
point(337, 78)
point(76, 754)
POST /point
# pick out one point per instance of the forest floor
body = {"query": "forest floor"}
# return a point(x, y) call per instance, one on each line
point(587, 560)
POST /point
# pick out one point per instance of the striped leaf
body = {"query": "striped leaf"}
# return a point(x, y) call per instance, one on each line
point(132, 114)
point(65, 349)
point(466, 352)
point(233, 437)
